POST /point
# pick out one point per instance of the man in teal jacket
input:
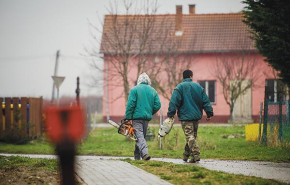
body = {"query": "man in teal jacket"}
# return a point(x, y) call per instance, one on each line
point(189, 100)
point(142, 103)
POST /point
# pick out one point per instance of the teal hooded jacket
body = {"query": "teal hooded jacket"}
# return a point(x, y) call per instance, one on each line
point(142, 103)
point(189, 99)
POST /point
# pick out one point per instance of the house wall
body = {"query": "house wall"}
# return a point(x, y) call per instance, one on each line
point(202, 67)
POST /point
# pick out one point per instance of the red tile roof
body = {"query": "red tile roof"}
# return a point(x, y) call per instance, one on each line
point(201, 33)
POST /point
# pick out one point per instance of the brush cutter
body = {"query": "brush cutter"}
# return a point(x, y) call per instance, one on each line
point(165, 128)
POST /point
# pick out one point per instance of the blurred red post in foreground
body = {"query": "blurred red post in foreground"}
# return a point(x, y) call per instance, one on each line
point(64, 128)
point(64, 123)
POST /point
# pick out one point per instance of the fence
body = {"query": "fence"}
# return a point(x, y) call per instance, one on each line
point(276, 122)
point(21, 116)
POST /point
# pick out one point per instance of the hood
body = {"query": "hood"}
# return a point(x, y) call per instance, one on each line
point(144, 78)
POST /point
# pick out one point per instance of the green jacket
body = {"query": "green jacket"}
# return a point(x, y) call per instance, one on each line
point(189, 99)
point(142, 103)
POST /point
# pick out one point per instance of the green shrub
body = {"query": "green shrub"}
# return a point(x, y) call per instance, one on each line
point(15, 135)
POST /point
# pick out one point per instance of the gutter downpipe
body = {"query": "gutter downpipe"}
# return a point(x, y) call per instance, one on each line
point(107, 89)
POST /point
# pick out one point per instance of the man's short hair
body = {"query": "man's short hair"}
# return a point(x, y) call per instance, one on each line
point(187, 74)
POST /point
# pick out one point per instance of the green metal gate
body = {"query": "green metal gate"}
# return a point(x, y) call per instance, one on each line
point(276, 124)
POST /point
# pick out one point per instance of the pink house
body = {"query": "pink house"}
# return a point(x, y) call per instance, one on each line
point(205, 40)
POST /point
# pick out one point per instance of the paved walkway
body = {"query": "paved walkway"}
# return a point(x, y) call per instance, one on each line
point(112, 172)
point(97, 170)
point(265, 170)
point(107, 170)
point(96, 125)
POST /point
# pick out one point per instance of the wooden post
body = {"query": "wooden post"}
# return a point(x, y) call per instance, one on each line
point(15, 120)
point(35, 117)
point(7, 115)
point(1, 119)
point(32, 127)
point(38, 116)
point(24, 122)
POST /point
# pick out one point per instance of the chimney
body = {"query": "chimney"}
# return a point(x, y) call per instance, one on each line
point(178, 21)
point(191, 9)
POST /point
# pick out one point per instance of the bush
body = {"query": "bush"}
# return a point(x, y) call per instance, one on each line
point(15, 136)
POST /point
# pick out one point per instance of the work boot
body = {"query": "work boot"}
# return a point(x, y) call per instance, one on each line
point(137, 157)
point(146, 157)
point(185, 157)
point(194, 159)
point(197, 158)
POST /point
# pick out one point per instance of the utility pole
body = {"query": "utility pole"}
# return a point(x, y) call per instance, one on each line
point(55, 74)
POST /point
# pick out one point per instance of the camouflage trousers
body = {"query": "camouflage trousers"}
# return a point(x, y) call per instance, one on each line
point(191, 147)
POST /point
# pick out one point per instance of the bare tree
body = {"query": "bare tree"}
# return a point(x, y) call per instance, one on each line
point(166, 78)
point(141, 41)
point(165, 69)
point(237, 72)
point(128, 40)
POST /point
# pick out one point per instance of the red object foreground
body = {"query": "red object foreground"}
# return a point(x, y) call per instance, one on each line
point(64, 123)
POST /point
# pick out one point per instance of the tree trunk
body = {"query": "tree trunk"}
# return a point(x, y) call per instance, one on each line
point(231, 112)
point(127, 90)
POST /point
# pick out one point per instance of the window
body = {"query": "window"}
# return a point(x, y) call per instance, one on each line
point(274, 87)
point(209, 87)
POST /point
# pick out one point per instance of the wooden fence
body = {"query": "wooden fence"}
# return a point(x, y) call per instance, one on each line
point(21, 116)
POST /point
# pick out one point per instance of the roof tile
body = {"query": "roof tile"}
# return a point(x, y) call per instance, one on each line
point(201, 33)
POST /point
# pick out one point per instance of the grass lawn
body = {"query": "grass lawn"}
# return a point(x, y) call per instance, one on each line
point(187, 174)
point(23, 170)
point(106, 141)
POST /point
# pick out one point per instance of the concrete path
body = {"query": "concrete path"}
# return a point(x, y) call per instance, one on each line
point(112, 172)
point(96, 170)
point(265, 170)
point(106, 170)
point(104, 125)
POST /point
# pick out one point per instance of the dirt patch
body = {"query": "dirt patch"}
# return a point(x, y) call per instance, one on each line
point(28, 175)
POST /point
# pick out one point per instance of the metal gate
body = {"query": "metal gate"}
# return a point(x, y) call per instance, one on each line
point(276, 124)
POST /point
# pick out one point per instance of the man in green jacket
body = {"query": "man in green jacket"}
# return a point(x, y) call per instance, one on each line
point(189, 100)
point(142, 103)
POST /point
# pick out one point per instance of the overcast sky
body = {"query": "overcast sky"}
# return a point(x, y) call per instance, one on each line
point(31, 32)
